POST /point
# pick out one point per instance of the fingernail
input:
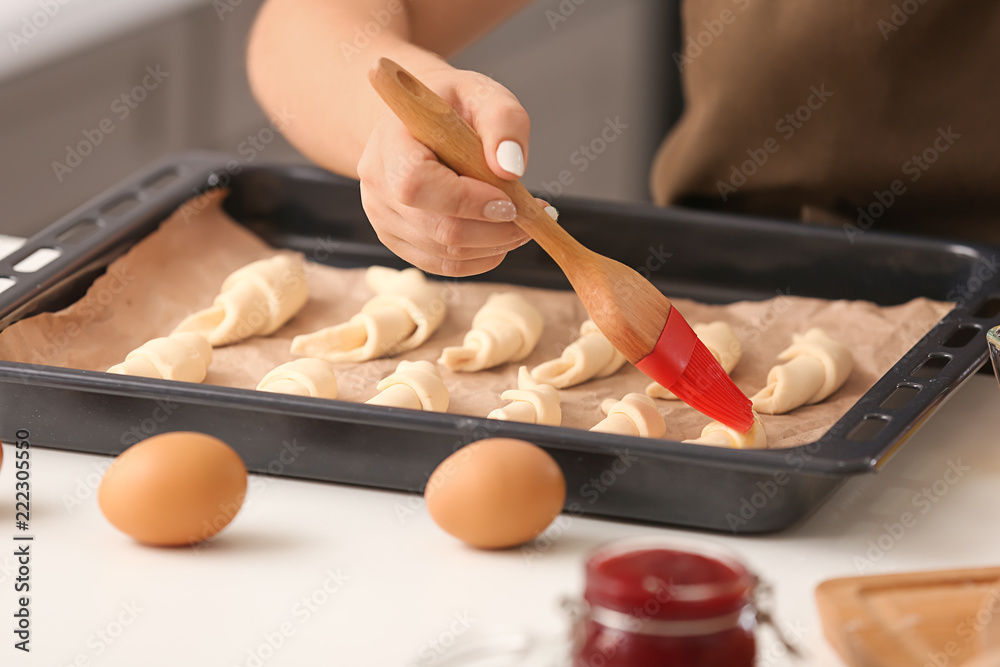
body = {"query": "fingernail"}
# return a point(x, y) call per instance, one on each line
point(511, 157)
point(553, 212)
point(500, 210)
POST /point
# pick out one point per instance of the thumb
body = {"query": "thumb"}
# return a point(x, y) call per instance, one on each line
point(504, 126)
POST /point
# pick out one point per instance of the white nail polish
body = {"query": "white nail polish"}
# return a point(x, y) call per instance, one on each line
point(553, 212)
point(511, 157)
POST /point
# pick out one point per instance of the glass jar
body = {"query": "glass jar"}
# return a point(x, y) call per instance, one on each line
point(655, 601)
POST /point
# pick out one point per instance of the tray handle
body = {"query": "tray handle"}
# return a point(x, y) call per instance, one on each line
point(941, 362)
point(81, 239)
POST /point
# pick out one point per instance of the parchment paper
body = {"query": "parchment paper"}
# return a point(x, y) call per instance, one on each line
point(179, 269)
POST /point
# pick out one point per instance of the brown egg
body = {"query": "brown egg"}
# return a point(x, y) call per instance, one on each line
point(174, 489)
point(496, 493)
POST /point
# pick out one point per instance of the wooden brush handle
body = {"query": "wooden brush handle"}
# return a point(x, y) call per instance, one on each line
point(625, 307)
point(438, 126)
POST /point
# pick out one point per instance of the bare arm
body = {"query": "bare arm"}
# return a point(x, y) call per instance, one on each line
point(308, 60)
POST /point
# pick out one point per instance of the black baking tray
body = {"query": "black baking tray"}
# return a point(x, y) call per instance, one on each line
point(705, 256)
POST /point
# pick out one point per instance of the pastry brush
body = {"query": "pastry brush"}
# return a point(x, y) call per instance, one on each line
point(635, 316)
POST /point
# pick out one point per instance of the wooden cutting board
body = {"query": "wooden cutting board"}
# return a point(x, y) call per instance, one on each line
point(946, 618)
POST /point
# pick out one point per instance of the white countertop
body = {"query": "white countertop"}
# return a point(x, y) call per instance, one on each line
point(336, 575)
point(36, 32)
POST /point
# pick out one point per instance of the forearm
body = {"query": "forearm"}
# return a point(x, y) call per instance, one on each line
point(308, 61)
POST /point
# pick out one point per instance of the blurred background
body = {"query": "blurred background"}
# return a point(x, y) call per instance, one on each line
point(127, 83)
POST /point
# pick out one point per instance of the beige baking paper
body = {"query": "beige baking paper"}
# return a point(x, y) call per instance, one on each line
point(179, 269)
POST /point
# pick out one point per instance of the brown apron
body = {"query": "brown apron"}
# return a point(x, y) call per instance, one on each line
point(865, 114)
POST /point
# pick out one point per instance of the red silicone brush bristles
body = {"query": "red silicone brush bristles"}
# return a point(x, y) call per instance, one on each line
point(681, 363)
point(706, 387)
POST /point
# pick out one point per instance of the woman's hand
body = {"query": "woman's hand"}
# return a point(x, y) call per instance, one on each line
point(423, 211)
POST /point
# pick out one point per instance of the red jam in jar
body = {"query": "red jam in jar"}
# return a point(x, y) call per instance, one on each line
point(653, 602)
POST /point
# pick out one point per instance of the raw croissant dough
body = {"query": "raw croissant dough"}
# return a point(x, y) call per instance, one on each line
point(721, 341)
point(816, 367)
point(255, 300)
point(302, 377)
point(506, 328)
point(720, 435)
point(531, 402)
point(179, 356)
point(416, 385)
point(636, 414)
point(589, 356)
point(406, 309)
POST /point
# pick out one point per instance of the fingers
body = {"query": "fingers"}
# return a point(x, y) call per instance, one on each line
point(442, 245)
point(431, 216)
point(503, 124)
point(549, 208)
point(430, 185)
point(452, 268)
point(414, 178)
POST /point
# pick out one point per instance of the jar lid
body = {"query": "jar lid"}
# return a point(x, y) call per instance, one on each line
point(668, 579)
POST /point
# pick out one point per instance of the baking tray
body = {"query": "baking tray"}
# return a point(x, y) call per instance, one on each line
point(712, 258)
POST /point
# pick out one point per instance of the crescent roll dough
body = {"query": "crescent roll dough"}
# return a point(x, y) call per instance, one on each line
point(589, 356)
point(531, 402)
point(506, 328)
point(416, 385)
point(255, 300)
point(721, 341)
point(816, 367)
point(720, 435)
point(179, 356)
point(636, 414)
point(406, 309)
point(303, 377)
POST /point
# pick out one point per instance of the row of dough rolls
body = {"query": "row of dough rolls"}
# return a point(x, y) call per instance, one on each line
point(260, 297)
